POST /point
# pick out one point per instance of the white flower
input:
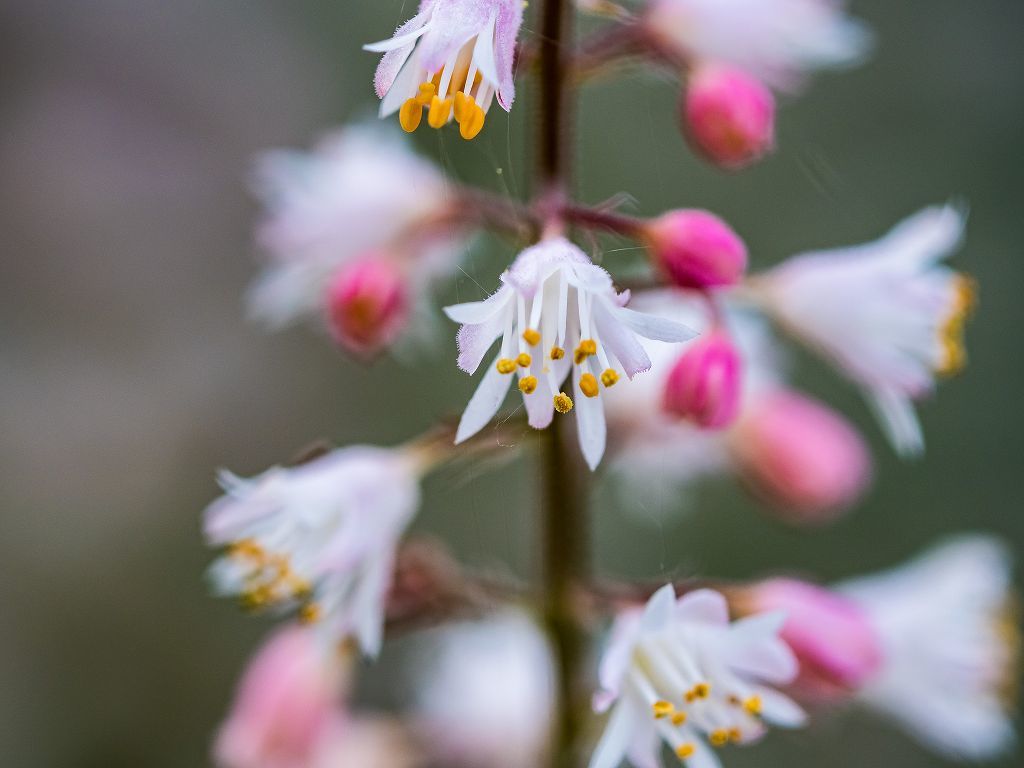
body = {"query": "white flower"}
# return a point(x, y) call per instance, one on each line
point(949, 646)
point(360, 192)
point(682, 673)
point(886, 313)
point(485, 693)
point(554, 299)
point(777, 41)
point(451, 59)
point(319, 538)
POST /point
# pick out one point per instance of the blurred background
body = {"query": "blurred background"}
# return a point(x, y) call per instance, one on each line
point(129, 372)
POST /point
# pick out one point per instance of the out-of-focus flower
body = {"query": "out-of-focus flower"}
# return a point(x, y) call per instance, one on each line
point(485, 693)
point(681, 673)
point(886, 313)
point(555, 311)
point(728, 116)
point(367, 742)
point(800, 456)
point(319, 538)
point(832, 636)
point(950, 646)
point(451, 59)
point(695, 249)
point(286, 706)
point(705, 384)
point(362, 194)
point(777, 41)
point(367, 304)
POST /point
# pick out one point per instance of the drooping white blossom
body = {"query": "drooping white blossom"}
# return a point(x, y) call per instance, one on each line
point(950, 647)
point(681, 673)
point(319, 538)
point(555, 312)
point(887, 313)
point(451, 59)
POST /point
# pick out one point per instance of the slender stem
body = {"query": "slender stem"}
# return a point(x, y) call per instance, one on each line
point(564, 524)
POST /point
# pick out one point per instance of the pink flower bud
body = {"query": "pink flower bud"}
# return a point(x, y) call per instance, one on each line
point(729, 116)
point(286, 703)
point(706, 383)
point(831, 635)
point(367, 305)
point(696, 249)
point(801, 456)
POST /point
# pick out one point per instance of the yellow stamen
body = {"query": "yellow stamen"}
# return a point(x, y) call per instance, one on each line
point(951, 334)
point(679, 718)
point(531, 337)
point(719, 737)
point(563, 403)
point(662, 709)
point(735, 735)
point(686, 750)
point(557, 353)
point(440, 111)
point(528, 385)
point(524, 360)
point(609, 378)
point(426, 93)
point(588, 385)
point(461, 102)
point(586, 348)
point(699, 691)
point(472, 121)
point(505, 365)
point(410, 115)
point(753, 706)
point(309, 613)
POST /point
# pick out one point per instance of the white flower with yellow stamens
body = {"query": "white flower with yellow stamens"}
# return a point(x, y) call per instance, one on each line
point(319, 538)
point(451, 60)
point(950, 645)
point(886, 313)
point(681, 673)
point(556, 311)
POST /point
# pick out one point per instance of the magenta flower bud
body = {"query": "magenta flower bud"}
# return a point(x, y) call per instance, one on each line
point(696, 249)
point(831, 635)
point(801, 456)
point(367, 304)
point(706, 383)
point(729, 116)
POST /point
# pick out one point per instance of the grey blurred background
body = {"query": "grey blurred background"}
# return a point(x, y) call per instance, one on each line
point(128, 373)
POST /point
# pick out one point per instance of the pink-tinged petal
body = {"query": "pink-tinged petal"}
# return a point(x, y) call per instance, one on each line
point(615, 663)
point(659, 610)
point(405, 82)
point(474, 340)
point(397, 49)
point(506, 32)
point(617, 737)
point(483, 51)
point(621, 341)
point(780, 710)
point(485, 402)
point(590, 425)
point(655, 328)
point(703, 606)
point(472, 312)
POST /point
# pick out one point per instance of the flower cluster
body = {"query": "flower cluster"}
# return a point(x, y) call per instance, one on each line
point(684, 377)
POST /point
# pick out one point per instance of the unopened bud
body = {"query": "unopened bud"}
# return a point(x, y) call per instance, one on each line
point(696, 249)
point(366, 304)
point(728, 116)
point(705, 385)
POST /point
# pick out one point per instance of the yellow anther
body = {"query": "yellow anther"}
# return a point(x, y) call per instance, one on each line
point(531, 337)
point(686, 750)
point(524, 360)
point(588, 385)
point(557, 353)
point(440, 111)
point(663, 709)
point(505, 365)
point(951, 333)
point(586, 348)
point(702, 690)
point(461, 101)
point(528, 385)
point(679, 718)
point(735, 735)
point(472, 121)
point(753, 706)
point(309, 613)
point(719, 737)
point(563, 403)
point(609, 377)
point(410, 115)
point(426, 93)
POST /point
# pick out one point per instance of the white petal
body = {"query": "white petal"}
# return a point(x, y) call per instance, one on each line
point(540, 406)
point(780, 710)
point(895, 411)
point(654, 328)
point(621, 341)
point(704, 606)
point(483, 52)
point(485, 402)
point(368, 604)
point(403, 87)
point(658, 611)
point(393, 43)
point(473, 312)
point(590, 424)
point(617, 737)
